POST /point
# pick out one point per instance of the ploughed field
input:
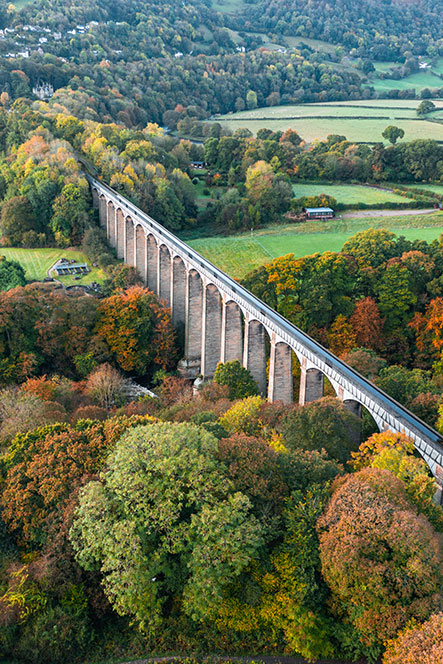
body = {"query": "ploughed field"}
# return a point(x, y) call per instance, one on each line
point(360, 121)
point(239, 254)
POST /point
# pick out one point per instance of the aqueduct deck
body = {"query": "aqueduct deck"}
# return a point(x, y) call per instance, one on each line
point(223, 321)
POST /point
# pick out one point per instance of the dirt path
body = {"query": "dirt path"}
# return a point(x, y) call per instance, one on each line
point(356, 214)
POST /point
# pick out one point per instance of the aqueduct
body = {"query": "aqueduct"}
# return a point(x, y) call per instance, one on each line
point(223, 321)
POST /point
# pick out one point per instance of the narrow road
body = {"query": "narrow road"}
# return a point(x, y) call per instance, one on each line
point(384, 213)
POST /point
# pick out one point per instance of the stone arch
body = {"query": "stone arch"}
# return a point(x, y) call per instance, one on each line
point(120, 228)
point(102, 211)
point(178, 291)
point(111, 230)
point(95, 195)
point(254, 352)
point(232, 332)
point(129, 241)
point(211, 324)
point(164, 273)
point(280, 387)
point(151, 261)
point(140, 251)
point(369, 424)
point(194, 306)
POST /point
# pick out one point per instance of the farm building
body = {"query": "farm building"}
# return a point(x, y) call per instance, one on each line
point(319, 213)
point(64, 269)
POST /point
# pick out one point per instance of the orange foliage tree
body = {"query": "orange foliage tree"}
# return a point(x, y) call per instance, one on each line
point(138, 330)
point(418, 644)
point(367, 324)
point(46, 466)
point(381, 561)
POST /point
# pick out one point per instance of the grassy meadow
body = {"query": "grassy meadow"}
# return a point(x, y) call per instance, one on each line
point(36, 263)
point(362, 121)
point(238, 255)
point(347, 194)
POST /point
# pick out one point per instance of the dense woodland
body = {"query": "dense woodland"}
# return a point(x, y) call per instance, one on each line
point(378, 34)
point(217, 523)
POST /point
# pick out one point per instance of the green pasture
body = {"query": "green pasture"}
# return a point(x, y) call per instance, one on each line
point(347, 193)
point(36, 263)
point(238, 255)
point(436, 188)
point(418, 80)
point(357, 120)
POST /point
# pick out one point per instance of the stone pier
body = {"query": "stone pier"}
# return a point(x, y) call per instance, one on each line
point(152, 260)
point(254, 353)
point(280, 374)
point(231, 333)
point(121, 234)
point(211, 338)
point(178, 291)
point(311, 385)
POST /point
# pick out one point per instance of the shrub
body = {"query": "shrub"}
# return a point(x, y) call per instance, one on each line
point(237, 378)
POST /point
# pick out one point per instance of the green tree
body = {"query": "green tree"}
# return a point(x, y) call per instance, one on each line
point(17, 218)
point(237, 378)
point(164, 522)
point(392, 134)
point(372, 247)
point(323, 424)
point(251, 100)
point(71, 214)
point(395, 296)
point(425, 107)
point(11, 274)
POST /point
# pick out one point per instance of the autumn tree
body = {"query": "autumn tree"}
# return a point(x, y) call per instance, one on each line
point(367, 324)
point(365, 361)
point(106, 386)
point(404, 384)
point(138, 330)
point(341, 336)
point(417, 643)
point(371, 247)
point(44, 469)
point(380, 560)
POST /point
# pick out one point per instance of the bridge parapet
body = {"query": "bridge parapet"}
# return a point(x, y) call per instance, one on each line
point(212, 305)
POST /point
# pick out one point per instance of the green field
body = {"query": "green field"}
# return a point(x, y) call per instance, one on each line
point(357, 120)
point(347, 193)
point(238, 255)
point(419, 80)
point(436, 188)
point(36, 263)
